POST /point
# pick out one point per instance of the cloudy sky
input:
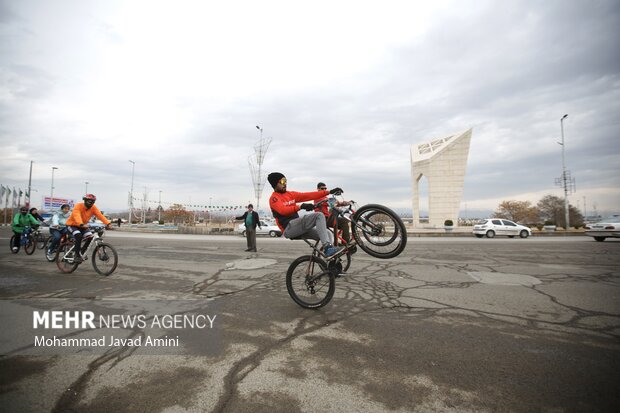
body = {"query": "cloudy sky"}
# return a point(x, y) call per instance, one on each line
point(343, 88)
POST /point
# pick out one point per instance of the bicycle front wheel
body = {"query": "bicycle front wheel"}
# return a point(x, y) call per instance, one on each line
point(64, 258)
point(309, 283)
point(31, 245)
point(47, 242)
point(379, 231)
point(12, 243)
point(105, 259)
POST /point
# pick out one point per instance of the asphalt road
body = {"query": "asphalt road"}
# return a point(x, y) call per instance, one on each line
point(452, 324)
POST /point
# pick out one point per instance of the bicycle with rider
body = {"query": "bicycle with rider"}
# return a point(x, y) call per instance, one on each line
point(77, 223)
point(283, 204)
point(59, 226)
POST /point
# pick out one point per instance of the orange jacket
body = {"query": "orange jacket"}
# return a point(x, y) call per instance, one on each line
point(80, 215)
point(284, 206)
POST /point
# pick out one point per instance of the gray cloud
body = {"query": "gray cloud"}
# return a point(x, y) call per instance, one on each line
point(509, 69)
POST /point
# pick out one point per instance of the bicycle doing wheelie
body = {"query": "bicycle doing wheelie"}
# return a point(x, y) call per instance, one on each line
point(104, 257)
point(376, 229)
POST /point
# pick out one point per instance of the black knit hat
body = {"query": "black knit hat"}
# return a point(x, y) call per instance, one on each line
point(273, 178)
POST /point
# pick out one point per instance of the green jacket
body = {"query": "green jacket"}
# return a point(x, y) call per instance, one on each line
point(22, 221)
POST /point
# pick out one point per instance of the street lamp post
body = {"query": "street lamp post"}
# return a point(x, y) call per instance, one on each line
point(52, 190)
point(564, 177)
point(29, 186)
point(86, 189)
point(159, 208)
point(133, 166)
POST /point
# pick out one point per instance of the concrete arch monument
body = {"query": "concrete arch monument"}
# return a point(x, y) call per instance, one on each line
point(443, 162)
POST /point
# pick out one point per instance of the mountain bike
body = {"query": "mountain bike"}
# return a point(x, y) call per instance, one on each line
point(104, 257)
point(27, 240)
point(376, 229)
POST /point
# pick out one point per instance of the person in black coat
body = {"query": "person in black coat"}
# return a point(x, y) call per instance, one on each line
point(251, 220)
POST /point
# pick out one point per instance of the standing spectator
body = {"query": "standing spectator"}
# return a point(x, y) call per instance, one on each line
point(118, 222)
point(250, 217)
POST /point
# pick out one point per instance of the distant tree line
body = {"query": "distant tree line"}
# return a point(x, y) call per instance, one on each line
point(548, 211)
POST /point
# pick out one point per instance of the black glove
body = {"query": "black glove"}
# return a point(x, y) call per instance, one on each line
point(307, 207)
point(336, 191)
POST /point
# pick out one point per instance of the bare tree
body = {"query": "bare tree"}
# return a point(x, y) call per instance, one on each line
point(178, 214)
point(518, 211)
point(551, 210)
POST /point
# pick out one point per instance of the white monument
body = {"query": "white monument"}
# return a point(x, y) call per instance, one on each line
point(443, 162)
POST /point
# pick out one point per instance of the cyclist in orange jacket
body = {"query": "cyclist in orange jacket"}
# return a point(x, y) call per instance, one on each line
point(77, 223)
point(284, 207)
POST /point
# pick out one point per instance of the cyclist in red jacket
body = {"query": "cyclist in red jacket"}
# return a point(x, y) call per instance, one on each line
point(333, 219)
point(284, 207)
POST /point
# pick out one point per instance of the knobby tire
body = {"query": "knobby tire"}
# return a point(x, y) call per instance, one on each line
point(316, 292)
point(104, 259)
point(379, 231)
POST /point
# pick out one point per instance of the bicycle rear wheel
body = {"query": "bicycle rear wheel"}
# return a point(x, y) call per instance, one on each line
point(40, 238)
point(309, 283)
point(105, 259)
point(31, 245)
point(379, 231)
point(64, 258)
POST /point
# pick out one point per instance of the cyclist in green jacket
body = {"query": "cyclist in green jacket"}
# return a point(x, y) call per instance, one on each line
point(20, 222)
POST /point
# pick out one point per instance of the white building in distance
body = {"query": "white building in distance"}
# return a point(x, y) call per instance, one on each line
point(443, 162)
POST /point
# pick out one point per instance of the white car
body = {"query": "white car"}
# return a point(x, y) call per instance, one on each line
point(606, 228)
point(496, 226)
point(267, 228)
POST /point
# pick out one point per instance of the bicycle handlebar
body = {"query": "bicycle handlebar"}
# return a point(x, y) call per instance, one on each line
point(321, 202)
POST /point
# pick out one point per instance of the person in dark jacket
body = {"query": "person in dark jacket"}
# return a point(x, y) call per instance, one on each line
point(251, 220)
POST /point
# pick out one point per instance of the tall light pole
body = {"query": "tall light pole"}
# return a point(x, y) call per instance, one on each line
point(133, 166)
point(86, 188)
point(29, 186)
point(256, 164)
point(52, 191)
point(159, 208)
point(564, 177)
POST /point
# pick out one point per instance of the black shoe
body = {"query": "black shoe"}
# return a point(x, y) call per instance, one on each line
point(78, 259)
point(248, 250)
point(254, 250)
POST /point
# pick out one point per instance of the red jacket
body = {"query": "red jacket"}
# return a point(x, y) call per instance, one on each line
point(324, 208)
point(284, 206)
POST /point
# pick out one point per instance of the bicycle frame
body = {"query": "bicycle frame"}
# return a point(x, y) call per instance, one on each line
point(96, 239)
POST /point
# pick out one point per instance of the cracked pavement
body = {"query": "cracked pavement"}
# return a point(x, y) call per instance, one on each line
point(451, 325)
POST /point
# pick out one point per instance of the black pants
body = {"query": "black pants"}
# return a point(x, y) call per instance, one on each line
point(250, 235)
point(17, 239)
